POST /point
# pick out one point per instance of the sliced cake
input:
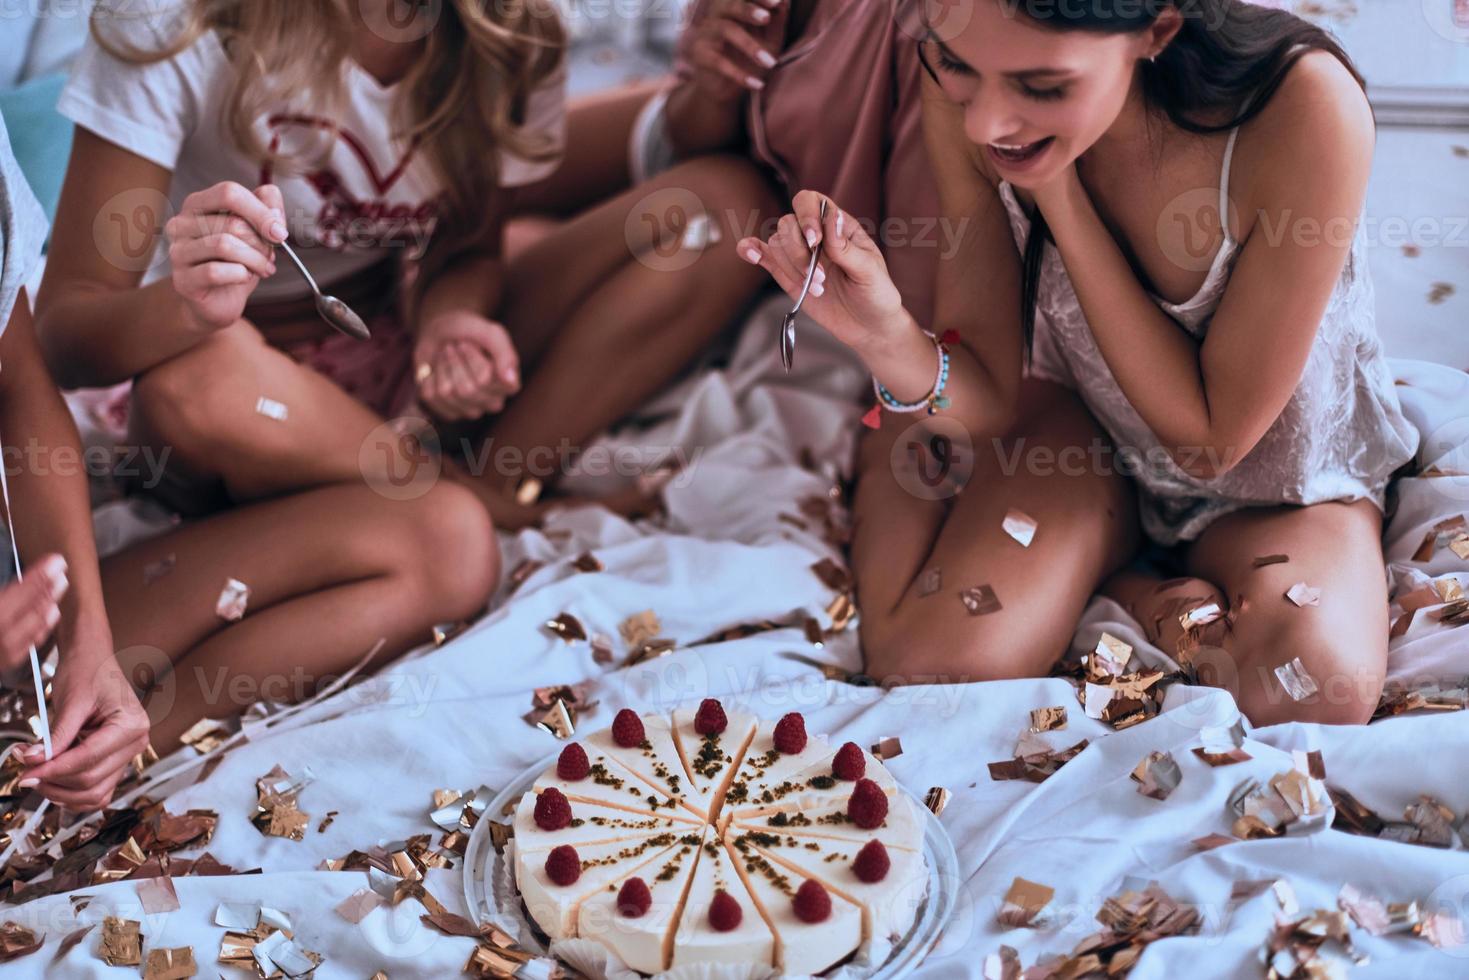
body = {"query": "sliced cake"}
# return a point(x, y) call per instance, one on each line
point(889, 883)
point(546, 818)
point(554, 882)
point(644, 746)
point(595, 777)
point(711, 743)
point(721, 923)
point(814, 928)
point(636, 918)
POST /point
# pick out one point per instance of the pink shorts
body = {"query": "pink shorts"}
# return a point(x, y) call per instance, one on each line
point(377, 372)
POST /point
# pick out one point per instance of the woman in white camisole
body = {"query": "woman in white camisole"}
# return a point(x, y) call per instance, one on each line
point(1165, 199)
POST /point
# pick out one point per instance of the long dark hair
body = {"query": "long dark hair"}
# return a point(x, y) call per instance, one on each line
point(1228, 55)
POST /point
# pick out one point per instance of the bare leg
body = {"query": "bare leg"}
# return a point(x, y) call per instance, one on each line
point(600, 328)
point(1334, 547)
point(1086, 528)
point(331, 573)
point(595, 165)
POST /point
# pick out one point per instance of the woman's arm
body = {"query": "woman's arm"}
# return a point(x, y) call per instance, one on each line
point(1210, 404)
point(98, 725)
point(97, 327)
point(725, 53)
point(48, 484)
point(977, 291)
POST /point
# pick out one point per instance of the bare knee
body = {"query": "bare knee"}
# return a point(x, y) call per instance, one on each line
point(912, 645)
point(1346, 671)
point(183, 402)
point(457, 559)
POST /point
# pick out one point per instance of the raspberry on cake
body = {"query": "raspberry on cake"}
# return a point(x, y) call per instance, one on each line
point(572, 765)
point(657, 851)
point(868, 806)
point(790, 734)
point(627, 729)
point(710, 718)
point(850, 762)
point(711, 757)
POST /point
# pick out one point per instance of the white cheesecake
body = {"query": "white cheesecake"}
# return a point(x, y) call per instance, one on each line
point(695, 831)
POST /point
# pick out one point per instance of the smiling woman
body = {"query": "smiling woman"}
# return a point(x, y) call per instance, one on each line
point(1115, 158)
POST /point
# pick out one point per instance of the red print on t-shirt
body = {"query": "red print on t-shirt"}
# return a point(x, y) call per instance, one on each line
point(345, 221)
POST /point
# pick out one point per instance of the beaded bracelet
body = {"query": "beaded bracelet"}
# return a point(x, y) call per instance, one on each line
point(931, 402)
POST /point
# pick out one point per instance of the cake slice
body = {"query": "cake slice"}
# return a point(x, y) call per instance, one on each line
point(829, 820)
point(766, 773)
point(727, 929)
point(806, 940)
point(589, 823)
point(644, 746)
point(710, 743)
point(592, 776)
point(887, 882)
point(636, 917)
point(814, 786)
point(554, 906)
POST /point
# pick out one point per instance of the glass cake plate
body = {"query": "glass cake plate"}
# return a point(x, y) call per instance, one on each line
point(480, 858)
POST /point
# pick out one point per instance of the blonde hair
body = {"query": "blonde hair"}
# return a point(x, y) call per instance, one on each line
point(461, 102)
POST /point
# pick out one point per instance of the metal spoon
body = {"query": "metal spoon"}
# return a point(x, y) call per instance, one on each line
point(332, 310)
point(788, 325)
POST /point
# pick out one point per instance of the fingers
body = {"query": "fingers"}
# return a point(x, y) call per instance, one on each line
point(740, 40)
point(30, 609)
point(708, 53)
point(807, 208)
point(503, 356)
point(229, 197)
point(224, 248)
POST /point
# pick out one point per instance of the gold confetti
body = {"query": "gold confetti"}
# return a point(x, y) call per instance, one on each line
point(170, 964)
point(1460, 546)
point(568, 627)
point(158, 895)
point(1157, 775)
point(1109, 658)
point(1048, 719)
point(888, 747)
point(122, 942)
point(354, 907)
point(1023, 903)
point(155, 570)
point(205, 735)
point(1035, 768)
point(1297, 681)
point(1303, 595)
point(640, 627)
point(523, 570)
point(980, 600)
point(936, 799)
point(1263, 560)
point(930, 583)
point(70, 941)
point(230, 606)
point(832, 575)
point(326, 821)
point(1439, 292)
point(587, 562)
point(528, 491)
point(277, 813)
point(272, 409)
point(557, 720)
point(17, 941)
point(1020, 526)
point(842, 611)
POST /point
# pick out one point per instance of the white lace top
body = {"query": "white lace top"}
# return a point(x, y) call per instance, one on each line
point(1339, 437)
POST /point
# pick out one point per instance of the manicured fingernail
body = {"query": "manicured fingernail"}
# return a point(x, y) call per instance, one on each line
point(29, 783)
point(760, 16)
point(765, 57)
point(278, 231)
point(53, 616)
point(810, 238)
point(817, 289)
point(839, 224)
point(752, 256)
point(752, 82)
point(510, 375)
point(33, 752)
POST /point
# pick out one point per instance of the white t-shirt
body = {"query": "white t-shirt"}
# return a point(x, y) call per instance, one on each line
point(369, 196)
